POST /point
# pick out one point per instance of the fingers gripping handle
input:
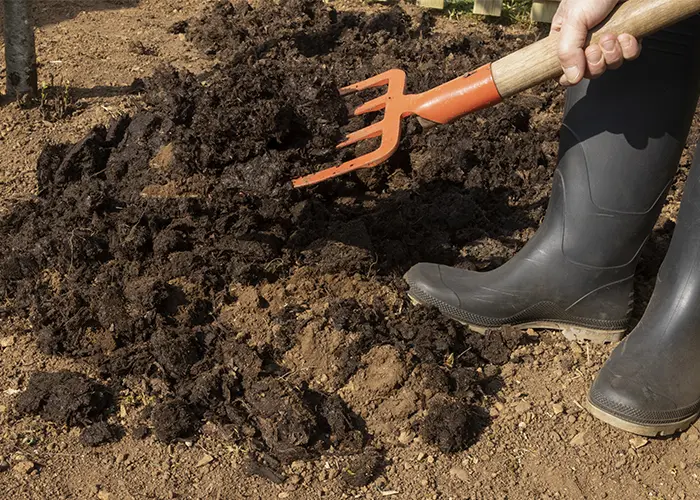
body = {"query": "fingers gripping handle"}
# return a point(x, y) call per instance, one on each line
point(539, 62)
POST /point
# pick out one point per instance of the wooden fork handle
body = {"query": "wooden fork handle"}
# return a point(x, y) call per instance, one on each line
point(539, 62)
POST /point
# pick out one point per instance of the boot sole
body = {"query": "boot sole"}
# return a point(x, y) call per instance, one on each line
point(639, 429)
point(571, 332)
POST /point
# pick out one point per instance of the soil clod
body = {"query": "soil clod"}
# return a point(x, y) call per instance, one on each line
point(450, 424)
point(173, 420)
point(99, 433)
point(65, 398)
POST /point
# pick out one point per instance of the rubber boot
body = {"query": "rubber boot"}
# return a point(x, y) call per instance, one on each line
point(650, 385)
point(620, 144)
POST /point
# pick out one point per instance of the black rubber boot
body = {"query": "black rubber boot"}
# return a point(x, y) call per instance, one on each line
point(620, 145)
point(651, 383)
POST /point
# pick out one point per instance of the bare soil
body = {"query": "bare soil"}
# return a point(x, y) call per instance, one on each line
point(177, 321)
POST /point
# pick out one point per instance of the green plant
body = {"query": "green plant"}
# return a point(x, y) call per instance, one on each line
point(517, 10)
point(513, 11)
point(457, 8)
point(55, 102)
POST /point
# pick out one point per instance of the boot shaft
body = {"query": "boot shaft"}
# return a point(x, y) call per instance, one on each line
point(621, 140)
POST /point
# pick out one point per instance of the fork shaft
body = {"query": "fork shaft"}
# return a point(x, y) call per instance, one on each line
point(456, 98)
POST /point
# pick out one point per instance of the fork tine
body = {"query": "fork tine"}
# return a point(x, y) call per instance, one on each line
point(369, 132)
point(375, 81)
point(389, 127)
point(370, 106)
point(366, 161)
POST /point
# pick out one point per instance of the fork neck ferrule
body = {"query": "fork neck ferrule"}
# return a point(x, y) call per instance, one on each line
point(456, 98)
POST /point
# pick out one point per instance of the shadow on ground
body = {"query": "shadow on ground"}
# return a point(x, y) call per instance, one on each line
point(52, 12)
point(60, 102)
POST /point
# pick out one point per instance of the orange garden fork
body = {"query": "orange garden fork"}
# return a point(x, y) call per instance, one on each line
point(486, 86)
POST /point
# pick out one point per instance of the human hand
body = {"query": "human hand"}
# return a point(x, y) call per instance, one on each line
point(573, 20)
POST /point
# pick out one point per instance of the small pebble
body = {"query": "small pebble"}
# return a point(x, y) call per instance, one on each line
point(638, 441)
point(7, 341)
point(460, 474)
point(522, 407)
point(579, 439)
point(206, 459)
point(406, 437)
point(508, 370)
point(298, 466)
point(209, 429)
point(24, 467)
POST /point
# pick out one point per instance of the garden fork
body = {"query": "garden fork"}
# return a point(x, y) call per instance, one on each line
point(487, 85)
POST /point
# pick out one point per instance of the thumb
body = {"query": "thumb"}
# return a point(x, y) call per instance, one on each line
point(572, 38)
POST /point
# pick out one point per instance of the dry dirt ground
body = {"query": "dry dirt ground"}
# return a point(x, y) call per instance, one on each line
point(541, 443)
